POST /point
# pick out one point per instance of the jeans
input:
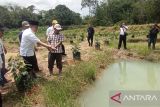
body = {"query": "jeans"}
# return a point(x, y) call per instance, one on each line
point(151, 41)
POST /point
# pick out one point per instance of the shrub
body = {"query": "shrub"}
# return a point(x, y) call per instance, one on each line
point(23, 79)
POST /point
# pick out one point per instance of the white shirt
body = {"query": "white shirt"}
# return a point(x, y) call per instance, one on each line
point(1, 62)
point(123, 30)
point(1, 52)
point(28, 42)
point(1, 47)
point(49, 30)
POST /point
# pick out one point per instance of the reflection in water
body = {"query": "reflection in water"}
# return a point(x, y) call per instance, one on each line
point(123, 75)
point(151, 76)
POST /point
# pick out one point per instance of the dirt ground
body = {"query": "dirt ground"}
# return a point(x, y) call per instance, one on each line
point(86, 54)
point(42, 58)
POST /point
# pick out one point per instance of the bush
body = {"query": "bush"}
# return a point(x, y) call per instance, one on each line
point(23, 79)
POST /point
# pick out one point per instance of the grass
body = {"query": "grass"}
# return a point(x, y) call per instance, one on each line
point(64, 92)
point(140, 48)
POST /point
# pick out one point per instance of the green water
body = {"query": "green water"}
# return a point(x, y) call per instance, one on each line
point(123, 75)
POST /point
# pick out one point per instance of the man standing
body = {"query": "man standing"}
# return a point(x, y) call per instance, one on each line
point(123, 36)
point(153, 36)
point(90, 31)
point(50, 30)
point(55, 39)
point(3, 51)
point(25, 25)
point(51, 27)
point(27, 50)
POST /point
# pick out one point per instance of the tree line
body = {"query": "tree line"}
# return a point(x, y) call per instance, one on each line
point(11, 16)
point(102, 13)
point(110, 12)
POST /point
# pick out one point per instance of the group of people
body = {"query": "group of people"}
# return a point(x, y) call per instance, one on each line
point(122, 37)
point(152, 36)
point(28, 45)
point(29, 42)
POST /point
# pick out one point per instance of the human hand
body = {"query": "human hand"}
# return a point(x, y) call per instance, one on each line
point(50, 48)
point(53, 48)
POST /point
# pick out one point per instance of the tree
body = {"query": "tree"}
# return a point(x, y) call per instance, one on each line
point(91, 4)
point(131, 11)
point(65, 16)
point(31, 8)
point(4, 16)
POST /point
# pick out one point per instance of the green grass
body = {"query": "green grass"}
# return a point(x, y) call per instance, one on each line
point(63, 93)
point(140, 48)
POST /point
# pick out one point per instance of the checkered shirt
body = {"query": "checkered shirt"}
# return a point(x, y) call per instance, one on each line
point(54, 39)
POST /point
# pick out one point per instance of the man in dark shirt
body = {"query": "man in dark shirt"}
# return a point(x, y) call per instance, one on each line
point(153, 36)
point(90, 31)
point(25, 25)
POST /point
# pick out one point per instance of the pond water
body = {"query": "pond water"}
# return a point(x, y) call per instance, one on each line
point(122, 75)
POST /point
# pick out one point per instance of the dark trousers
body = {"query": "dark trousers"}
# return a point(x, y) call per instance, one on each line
point(52, 57)
point(122, 38)
point(90, 40)
point(32, 65)
point(153, 42)
point(3, 71)
point(0, 100)
point(63, 49)
point(36, 68)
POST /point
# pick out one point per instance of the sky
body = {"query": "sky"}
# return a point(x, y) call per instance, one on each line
point(74, 5)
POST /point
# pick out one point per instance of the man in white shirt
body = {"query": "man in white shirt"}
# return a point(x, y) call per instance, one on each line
point(25, 25)
point(28, 42)
point(51, 27)
point(123, 36)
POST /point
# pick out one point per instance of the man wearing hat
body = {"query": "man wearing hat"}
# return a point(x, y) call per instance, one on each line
point(25, 25)
point(51, 27)
point(55, 39)
point(50, 30)
point(27, 50)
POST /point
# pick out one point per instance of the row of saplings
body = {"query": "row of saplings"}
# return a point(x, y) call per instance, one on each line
point(76, 48)
point(23, 80)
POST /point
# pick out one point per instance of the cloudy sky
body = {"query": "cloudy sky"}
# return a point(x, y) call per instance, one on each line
point(74, 5)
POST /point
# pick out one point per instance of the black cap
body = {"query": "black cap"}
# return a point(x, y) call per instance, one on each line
point(34, 22)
